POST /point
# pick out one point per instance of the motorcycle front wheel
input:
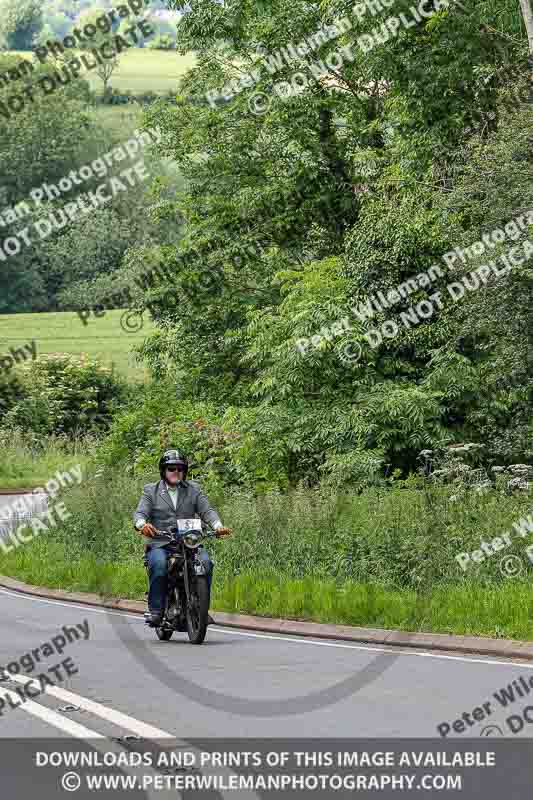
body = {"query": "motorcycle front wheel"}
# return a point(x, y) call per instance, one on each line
point(198, 611)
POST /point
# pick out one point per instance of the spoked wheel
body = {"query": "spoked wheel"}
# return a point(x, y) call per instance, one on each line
point(198, 611)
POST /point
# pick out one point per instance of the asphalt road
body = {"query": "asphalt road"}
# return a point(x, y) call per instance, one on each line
point(238, 683)
point(108, 677)
point(38, 501)
point(8, 521)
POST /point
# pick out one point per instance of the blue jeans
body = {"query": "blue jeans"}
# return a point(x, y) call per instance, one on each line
point(156, 559)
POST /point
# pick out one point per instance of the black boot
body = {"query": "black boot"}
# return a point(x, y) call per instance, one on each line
point(154, 618)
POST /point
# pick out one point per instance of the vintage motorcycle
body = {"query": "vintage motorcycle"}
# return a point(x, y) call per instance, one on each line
point(187, 602)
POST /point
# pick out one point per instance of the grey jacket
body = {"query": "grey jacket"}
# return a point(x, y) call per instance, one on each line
point(156, 506)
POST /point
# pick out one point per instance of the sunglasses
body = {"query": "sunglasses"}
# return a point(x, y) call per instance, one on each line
point(175, 469)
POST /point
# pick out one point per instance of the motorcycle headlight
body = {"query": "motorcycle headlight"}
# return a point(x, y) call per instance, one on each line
point(192, 539)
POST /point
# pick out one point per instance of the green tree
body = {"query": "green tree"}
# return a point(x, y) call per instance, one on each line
point(108, 66)
point(19, 22)
point(485, 367)
point(38, 144)
point(334, 192)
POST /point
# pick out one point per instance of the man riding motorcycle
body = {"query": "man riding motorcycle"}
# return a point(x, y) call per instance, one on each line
point(161, 505)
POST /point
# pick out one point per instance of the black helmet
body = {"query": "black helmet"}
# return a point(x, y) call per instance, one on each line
point(173, 458)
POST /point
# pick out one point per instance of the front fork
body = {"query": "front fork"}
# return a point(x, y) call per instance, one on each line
point(186, 582)
point(198, 568)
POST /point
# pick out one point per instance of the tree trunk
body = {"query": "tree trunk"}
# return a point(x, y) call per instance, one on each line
point(527, 14)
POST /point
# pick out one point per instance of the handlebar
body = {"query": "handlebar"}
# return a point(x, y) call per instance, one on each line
point(177, 534)
point(162, 538)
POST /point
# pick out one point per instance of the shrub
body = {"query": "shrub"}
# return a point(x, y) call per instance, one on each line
point(225, 444)
point(64, 395)
point(162, 42)
point(10, 392)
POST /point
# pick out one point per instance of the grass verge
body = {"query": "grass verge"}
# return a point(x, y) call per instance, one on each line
point(470, 609)
point(383, 558)
point(27, 466)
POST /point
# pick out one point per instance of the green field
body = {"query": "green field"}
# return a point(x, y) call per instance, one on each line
point(64, 332)
point(146, 70)
point(141, 70)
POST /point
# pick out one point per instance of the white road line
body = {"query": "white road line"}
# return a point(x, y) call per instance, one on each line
point(137, 727)
point(53, 718)
point(286, 638)
point(77, 731)
point(104, 712)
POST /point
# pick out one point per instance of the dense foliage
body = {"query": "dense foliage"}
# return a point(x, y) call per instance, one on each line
point(43, 143)
point(403, 536)
point(60, 396)
point(308, 346)
point(353, 185)
point(300, 207)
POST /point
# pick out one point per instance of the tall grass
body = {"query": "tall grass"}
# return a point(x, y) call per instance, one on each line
point(382, 558)
point(399, 538)
point(469, 609)
point(29, 462)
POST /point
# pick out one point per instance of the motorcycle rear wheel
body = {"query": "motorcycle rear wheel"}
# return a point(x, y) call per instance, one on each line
point(197, 617)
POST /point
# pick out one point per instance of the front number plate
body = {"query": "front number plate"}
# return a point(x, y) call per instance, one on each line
point(187, 525)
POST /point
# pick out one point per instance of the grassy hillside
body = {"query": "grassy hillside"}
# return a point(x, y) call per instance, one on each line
point(142, 70)
point(147, 70)
point(63, 332)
